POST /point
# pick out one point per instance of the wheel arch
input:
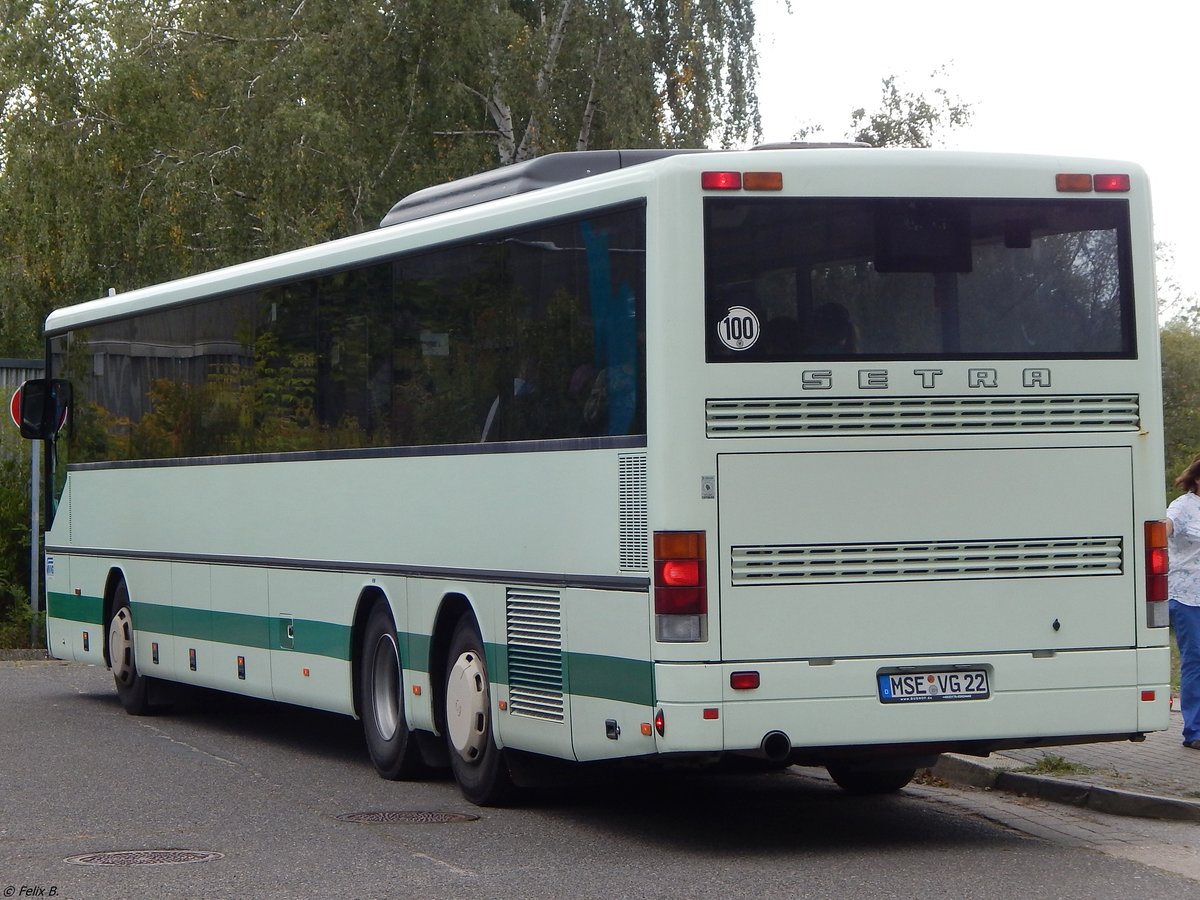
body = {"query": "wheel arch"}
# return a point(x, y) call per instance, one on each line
point(454, 606)
point(116, 576)
point(368, 598)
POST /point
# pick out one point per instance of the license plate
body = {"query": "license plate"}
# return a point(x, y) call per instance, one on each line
point(923, 687)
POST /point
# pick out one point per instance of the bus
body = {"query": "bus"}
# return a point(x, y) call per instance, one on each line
point(829, 456)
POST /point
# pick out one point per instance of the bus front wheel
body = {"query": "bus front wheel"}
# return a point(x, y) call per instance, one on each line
point(381, 702)
point(477, 763)
point(133, 688)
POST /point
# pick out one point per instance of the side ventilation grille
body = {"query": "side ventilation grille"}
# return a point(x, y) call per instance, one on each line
point(807, 417)
point(535, 660)
point(635, 536)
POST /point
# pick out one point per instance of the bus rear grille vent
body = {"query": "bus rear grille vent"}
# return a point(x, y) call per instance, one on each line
point(535, 661)
point(635, 538)
point(932, 561)
point(805, 417)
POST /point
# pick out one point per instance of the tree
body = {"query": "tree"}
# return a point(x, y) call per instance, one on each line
point(142, 140)
point(906, 118)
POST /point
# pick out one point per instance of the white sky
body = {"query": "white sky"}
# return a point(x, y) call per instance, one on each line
point(1099, 78)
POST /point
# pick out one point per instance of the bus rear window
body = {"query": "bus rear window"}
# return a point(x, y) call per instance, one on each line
point(827, 279)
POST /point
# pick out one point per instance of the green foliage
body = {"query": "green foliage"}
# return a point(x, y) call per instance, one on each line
point(906, 118)
point(14, 540)
point(909, 119)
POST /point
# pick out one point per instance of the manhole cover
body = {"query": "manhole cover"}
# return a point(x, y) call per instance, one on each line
point(144, 858)
point(419, 817)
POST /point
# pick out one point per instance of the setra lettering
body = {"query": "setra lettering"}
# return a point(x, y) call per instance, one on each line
point(922, 379)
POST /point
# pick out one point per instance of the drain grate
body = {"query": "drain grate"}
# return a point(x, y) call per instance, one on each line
point(411, 817)
point(127, 858)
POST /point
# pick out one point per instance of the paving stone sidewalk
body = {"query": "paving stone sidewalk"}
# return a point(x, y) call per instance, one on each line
point(1156, 778)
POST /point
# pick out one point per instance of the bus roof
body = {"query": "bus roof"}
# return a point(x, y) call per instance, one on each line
point(538, 173)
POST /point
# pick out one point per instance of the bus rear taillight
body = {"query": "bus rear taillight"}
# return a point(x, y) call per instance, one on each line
point(1157, 566)
point(1082, 183)
point(737, 181)
point(680, 586)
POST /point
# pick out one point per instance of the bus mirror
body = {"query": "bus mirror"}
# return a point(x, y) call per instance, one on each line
point(41, 407)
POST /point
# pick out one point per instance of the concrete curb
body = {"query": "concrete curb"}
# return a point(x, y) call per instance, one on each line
point(996, 776)
point(8, 655)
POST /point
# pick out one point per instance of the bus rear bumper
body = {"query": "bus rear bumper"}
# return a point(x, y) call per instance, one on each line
point(833, 708)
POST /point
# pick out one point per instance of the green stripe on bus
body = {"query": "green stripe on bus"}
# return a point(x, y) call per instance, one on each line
point(604, 677)
point(74, 608)
point(611, 678)
point(243, 630)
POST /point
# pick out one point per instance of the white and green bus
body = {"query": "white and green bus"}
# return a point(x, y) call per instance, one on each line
point(831, 456)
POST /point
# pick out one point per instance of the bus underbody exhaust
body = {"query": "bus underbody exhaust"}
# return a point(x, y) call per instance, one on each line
point(776, 746)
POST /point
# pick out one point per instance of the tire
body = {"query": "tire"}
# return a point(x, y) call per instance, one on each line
point(478, 764)
point(392, 746)
point(854, 780)
point(133, 688)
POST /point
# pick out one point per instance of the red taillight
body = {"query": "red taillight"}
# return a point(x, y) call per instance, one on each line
point(679, 572)
point(680, 589)
point(1157, 561)
point(721, 181)
point(1111, 183)
point(660, 723)
point(744, 681)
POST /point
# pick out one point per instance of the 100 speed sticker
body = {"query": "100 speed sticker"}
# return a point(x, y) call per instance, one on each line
point(739, 329)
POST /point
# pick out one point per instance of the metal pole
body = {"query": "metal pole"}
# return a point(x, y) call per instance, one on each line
point(35, 539)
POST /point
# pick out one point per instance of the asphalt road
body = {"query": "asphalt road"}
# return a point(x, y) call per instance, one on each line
point(264, 787)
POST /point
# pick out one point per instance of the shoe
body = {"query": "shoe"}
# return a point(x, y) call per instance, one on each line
point(1192, 745)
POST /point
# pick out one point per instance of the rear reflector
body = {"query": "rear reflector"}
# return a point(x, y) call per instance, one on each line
point(744, 681)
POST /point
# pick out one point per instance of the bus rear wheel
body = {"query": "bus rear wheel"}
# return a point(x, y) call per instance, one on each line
point(133, 688)
point(477, 763)
point(381, 701)
point(855, 780)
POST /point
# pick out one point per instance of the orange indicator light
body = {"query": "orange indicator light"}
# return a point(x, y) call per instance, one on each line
point(416, 690)
point(762, 181)
point(1073, 183)
point(647, 729)
point(306, 672)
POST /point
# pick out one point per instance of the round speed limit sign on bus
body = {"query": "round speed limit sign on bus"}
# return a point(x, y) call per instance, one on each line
point(739, 329)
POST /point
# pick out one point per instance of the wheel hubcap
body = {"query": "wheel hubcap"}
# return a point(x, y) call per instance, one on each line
point(467, 706)
point(120, 646)
point(385, 687)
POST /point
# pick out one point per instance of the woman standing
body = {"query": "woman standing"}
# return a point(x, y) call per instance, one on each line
point(1183, 526)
